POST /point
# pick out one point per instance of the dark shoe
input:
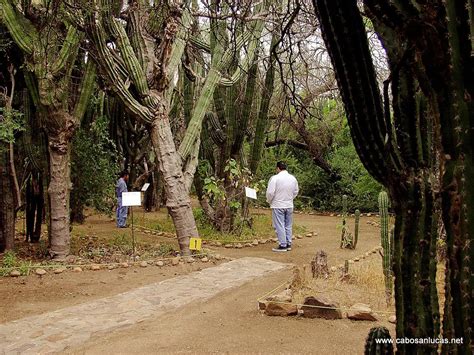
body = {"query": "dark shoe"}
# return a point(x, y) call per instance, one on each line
point(288, 247)
point(279, 249)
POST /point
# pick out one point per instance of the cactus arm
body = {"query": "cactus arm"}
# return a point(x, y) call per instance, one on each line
point(21, 29)
point(262, 119)
point(385, 241)
point(108, 64)
point(363, 105)
point(68, 49)
point(85, 91)
point(213, 77)
point(131, 60)
point(246, 108)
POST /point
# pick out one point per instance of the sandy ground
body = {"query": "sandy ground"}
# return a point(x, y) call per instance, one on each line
point(228, 323)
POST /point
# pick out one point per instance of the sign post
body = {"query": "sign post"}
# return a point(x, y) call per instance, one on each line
point(131, 199)
point(144, 188)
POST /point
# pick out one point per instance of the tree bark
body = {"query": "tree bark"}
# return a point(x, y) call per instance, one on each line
point(170, 166)
point(59, 150)
point(7, 208)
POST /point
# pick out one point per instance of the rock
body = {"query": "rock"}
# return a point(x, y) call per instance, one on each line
point(255, 242)
point(248, 245)
point(262, 305)
point(309, 235)
point(175, 261)
point(40, 272)
point(71, 259)
point(369, 214)
point(77, 269)
point(392, 319)
point(58, 270)
point(281, 309)
point(217, 257)
point(361, 311)
point(143, 264)
point(15, 273)
point(315, 234)
point(238, 246)
point(262, 241)
point(160, 263)
point(356, 259)
point(284, 296)
point(218, 244)
point(205, 260)
point(95, 267)
point(228, 246)
point(332, 215)
point(327, 311)
point(125, 265)
point(111, 267)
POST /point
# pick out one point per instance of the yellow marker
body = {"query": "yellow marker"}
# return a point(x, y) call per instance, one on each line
point(195, 243)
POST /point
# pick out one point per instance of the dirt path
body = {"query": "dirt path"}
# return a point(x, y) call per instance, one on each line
point(227, 323)
point(230, 324)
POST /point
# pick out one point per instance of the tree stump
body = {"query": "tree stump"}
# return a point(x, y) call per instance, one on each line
point(319, 265)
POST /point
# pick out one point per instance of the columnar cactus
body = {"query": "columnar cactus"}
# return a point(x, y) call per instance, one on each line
point(346, 238)
point(374, 345)
point(386, 245)
point(401, 159)
point(356, 229)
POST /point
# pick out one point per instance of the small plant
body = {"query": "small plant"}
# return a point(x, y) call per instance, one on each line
point(375, 347)
point(9, 259)
point(166, 249)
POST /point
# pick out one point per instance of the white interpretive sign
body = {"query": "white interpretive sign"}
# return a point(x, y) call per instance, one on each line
point(251, 193)
point(145, 187)
point(131, 198)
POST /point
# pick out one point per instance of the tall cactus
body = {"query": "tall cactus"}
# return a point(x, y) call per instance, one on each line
point(386, 245)
point(400, 159)
point(356, 229)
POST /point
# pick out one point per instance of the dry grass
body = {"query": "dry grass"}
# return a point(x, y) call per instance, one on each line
point(365, 284)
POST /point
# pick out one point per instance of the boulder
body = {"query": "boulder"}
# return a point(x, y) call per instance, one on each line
point(58, 271)
point(361, 311)
point(238, 246)
point(228, 246)
point(175, 261)
point(309, 235)
point(77, 269)
point(281, 309)
point(160, 263)
point(327, 310)
point(255, 242)
point(95, 267)
point(143, 264)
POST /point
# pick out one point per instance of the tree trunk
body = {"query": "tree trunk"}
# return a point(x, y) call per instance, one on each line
point(170, 166)
point(7, 208)
point(59, 149)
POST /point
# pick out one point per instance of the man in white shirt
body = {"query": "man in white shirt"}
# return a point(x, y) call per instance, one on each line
point(281, 191)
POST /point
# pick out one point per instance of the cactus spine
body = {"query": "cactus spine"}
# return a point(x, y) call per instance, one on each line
point(372, 347)
point(386, 245)
point(356, 229)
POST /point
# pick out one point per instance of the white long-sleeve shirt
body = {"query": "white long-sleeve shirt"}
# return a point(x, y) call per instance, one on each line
point(282, 189)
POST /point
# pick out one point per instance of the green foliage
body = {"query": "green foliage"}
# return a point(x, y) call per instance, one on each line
point(317, 191)
point(94, 167)
point(9, 259)
point(11, 121)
